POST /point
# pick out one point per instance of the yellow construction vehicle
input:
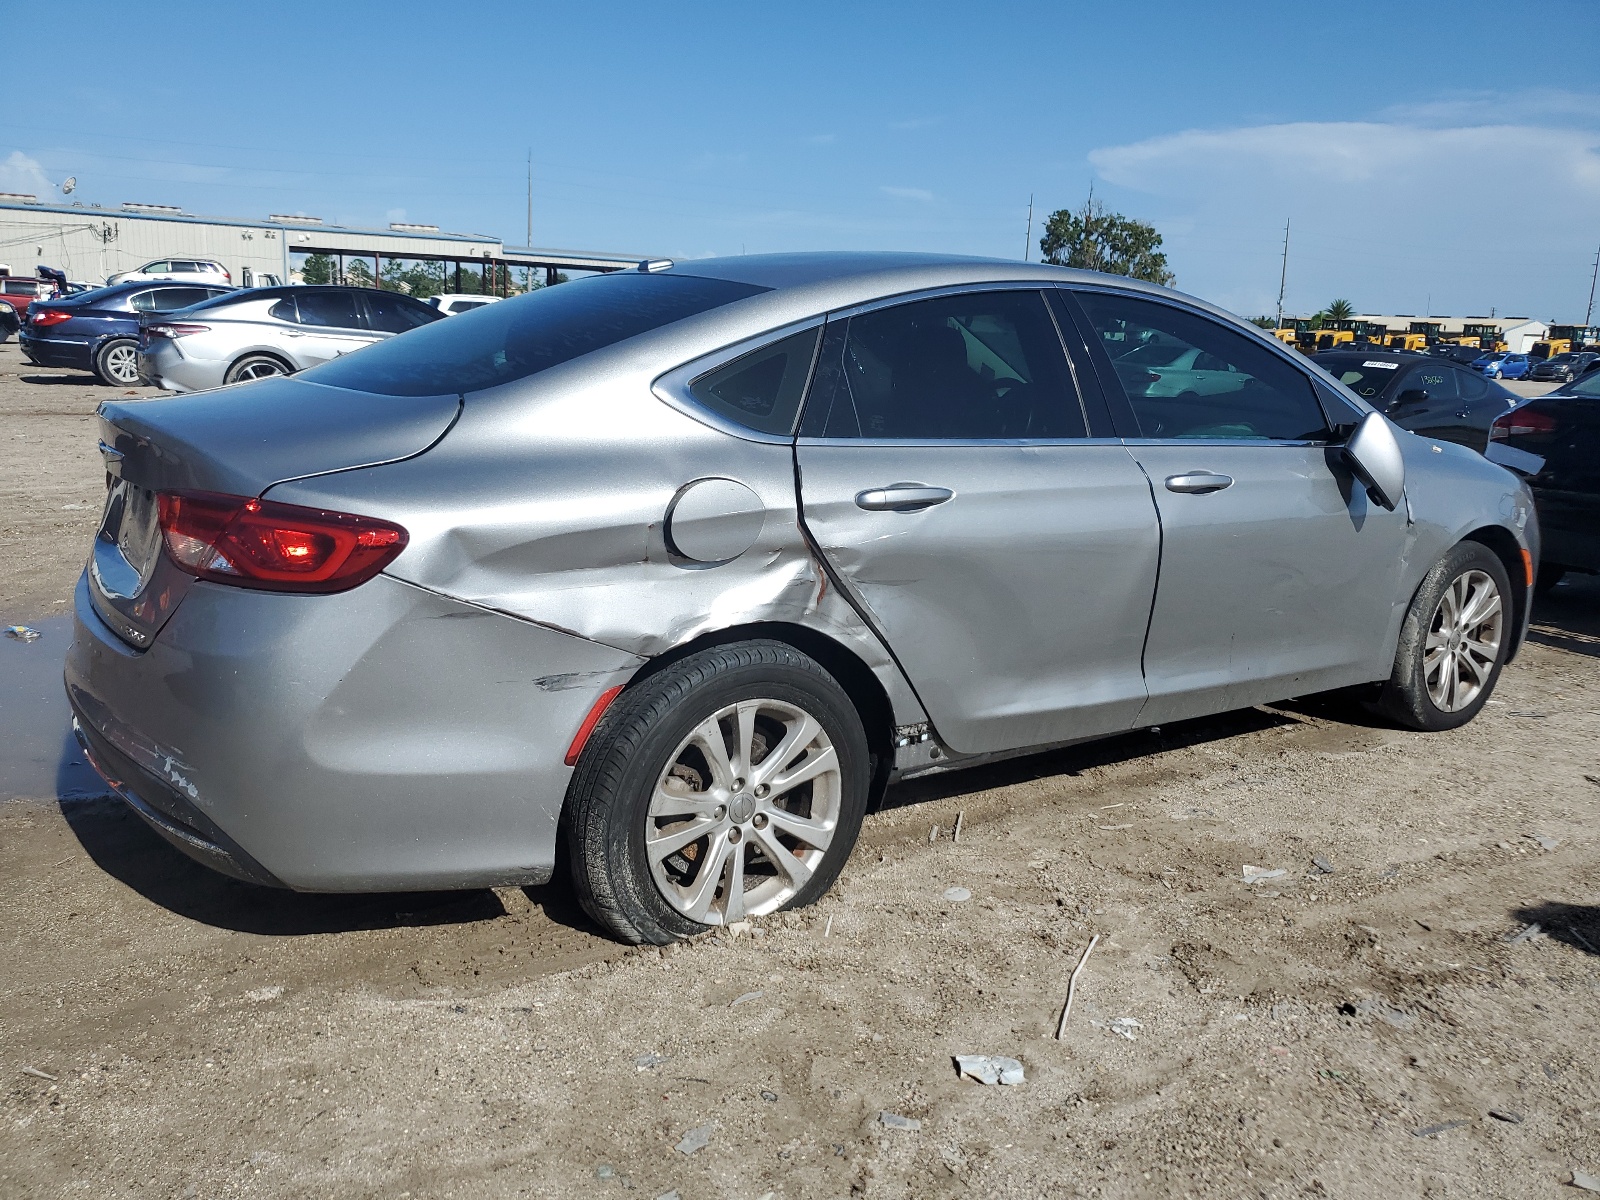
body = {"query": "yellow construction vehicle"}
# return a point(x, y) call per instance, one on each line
point(1406, 341)
point(1564, 339)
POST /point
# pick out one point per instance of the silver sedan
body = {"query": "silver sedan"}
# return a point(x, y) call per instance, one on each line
point(269, 331)
point(673, 571)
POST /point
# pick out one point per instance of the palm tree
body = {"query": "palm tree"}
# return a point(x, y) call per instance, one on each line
point(1340, 310)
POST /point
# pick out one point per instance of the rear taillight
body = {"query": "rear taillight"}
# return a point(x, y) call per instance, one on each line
point(174, 330)
point(49, 316)
point(1520, 422)
point(279, 547)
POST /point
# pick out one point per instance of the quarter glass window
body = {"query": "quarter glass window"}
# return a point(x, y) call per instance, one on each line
point(761, 390)
point(981, 366)
point(1187, 376)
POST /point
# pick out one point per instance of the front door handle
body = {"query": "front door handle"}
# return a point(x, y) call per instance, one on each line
point(902, 497)
point(1198, 482)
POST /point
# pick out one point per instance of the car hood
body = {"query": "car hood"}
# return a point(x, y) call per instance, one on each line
point(244, 439)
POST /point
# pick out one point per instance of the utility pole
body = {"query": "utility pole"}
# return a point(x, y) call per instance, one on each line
point(1588, 313)
point(529, 242)
point(1283, 275)
point(1027, 241)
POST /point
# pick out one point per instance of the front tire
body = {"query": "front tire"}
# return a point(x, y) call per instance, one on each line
point(116, 364)
point(1453, 642)
point(728, 785)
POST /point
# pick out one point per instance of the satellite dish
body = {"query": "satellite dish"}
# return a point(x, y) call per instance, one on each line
point(70, 186)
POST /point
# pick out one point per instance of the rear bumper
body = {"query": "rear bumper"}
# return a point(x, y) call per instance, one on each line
point(48, 352)
point(381, 739)
point(167, 367)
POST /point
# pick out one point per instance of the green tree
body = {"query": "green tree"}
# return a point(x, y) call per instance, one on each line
point(317, 268)
point(1094, 239)
point(357, 273)
point(1264, 322)
point(1339, 310)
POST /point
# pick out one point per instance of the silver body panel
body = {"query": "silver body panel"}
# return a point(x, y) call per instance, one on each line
point(568, 529)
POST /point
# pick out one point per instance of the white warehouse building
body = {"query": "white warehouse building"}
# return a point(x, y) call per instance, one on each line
point(90, 243)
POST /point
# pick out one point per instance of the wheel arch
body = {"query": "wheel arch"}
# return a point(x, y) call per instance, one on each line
point(1508, 550)
point(276, 356)
point(848, 669)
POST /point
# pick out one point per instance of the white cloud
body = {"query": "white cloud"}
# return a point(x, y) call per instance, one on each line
point(908, 193)
point(1396, 215)
point(19, 173)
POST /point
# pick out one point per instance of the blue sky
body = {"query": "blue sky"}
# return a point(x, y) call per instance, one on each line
point(1439, 157)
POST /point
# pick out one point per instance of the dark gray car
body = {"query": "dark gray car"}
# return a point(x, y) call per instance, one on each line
point(677, 568)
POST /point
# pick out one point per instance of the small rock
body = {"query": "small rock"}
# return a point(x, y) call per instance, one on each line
point(604, 1171)
point(1261, 874)
point(894, 1121)
point(738, 927)
point(957, 894)
point(1322, 863)
point(697, 1138)
point(1584, 1180)
point(1506, 1115)
point(770, 1097)
point(990, 1069)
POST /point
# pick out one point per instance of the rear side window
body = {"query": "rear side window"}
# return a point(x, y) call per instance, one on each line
point(392, 313)
point(172, 299)
point(520, 337)
point(157, 268)
point(334, 309)
point(761, 390)
point(142, 302)
point(1187, 376)
point(982, 366)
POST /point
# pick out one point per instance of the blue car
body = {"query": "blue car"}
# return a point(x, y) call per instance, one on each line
point(1509, 366)
point(98, 331)
point(1486, 359)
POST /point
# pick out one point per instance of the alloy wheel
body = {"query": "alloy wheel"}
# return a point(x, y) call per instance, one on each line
point(1463, 643)
point(122, 364)
point(744, 812)
point(260, 369)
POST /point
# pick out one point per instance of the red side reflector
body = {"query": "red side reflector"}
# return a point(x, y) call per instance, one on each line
point(1527, 566)
point(581, 738)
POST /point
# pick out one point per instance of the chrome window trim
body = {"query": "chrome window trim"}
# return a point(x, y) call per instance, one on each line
point(672, 387)
point(1239, 443)
point(931, 443)
point(951, 289)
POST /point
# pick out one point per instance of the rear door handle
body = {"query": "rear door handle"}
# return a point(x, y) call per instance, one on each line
point(902, 497)
point(1198, 482)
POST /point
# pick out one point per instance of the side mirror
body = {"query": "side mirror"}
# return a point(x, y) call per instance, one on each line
point(1373, 456)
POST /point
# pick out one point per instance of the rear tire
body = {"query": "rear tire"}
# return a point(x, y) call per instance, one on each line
point(116, 364)
point(1453, 642)
point(256, 366)
point(669, 834)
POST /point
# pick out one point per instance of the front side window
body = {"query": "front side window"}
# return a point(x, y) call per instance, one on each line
point(981, 366)
point(761, 390)
point(333, 309)
point(527, 334)
point(1188, 376)
point(389, 312)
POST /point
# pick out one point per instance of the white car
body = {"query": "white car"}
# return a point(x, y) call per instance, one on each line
point(453, 303)
point(186, 270)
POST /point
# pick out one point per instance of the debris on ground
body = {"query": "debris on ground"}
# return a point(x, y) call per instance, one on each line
point(957, 894)
point(1527, 934)
point(1546, 842)
point(1322, 863)
point(896, 1121)
point(649, 1062)
point(22, 633)
point(697, 1138)
point(955, 834)
point(1379, 1007)
point(38, 1074)
point(1261, 874)
point(990, 1069)
point(1506, 1115)
point(746, 998)
point(769, 1097)
point(1441, 1127)
point(1584, 1180)
point(1072, 986)
point(1124, 1026)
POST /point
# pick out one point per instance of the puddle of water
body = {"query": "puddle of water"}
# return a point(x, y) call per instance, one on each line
point(39, 758)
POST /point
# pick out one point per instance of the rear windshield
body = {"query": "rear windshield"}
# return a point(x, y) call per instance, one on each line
point(520, 337)
point(1365, 377)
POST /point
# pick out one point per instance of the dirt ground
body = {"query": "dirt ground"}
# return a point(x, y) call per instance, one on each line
point(1380, 1020)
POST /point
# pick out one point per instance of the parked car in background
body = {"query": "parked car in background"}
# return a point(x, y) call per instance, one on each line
point(10, 322)
point(1509, 366)
point(254, 279)
point(186, 270)
point(1482, 362)
point(452, 303)
point(1433, 396)
point(269, 331)
point(632, 567)
point(1563, 367)
point(99, 330)
point(1554, 440)
point(19, 291)
point(1466, 355)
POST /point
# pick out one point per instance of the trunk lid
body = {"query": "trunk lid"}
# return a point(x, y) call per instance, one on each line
point(241, 441)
